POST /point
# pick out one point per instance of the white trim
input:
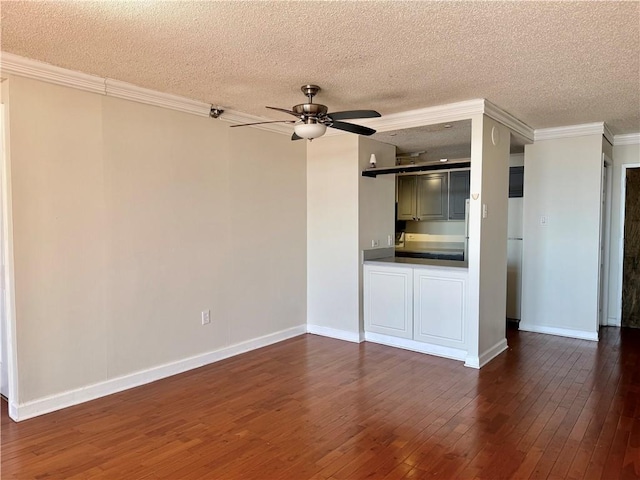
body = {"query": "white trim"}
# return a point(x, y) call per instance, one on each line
point(127, 91)
point(626, 139)
point(623, 206)
point(125, 382)
point(426, 116)
point(509, 121)
point(597, 128)
point(472, 362)
point(613, 322)
point(486, 356)
point(25, 67)
point(9, 267)
point(335, 333)
point(605, 241)
point(445, 113)
point(421, 347)
point(118, 89)
point(560, 332)
point(607, 133)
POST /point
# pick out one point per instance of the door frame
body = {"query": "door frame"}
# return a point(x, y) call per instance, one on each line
point(623, 207)
point(7, 273)
point(605, 240)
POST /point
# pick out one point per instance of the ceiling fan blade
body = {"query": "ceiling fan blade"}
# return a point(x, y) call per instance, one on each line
point(350, 127)
point(354, 114)
point(295, 136)
point(290, 112)
point(260, 123)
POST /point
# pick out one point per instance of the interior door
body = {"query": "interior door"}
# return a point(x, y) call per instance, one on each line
point(631, 258)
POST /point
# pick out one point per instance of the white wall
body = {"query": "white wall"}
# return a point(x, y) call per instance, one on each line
point(129, 220)
point(332, 236)
point(376, 199)
point(345, 213)
point(487, 240)
point(560, 259)
point(622, 155)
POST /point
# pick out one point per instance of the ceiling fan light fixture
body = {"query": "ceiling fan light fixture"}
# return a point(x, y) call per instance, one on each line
point(309, 130)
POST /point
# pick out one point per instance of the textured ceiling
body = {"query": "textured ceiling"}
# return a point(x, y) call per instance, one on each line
point(430, 143)
point(547, 63)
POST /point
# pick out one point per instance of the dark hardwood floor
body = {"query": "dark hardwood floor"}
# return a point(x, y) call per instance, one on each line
point(317, 408)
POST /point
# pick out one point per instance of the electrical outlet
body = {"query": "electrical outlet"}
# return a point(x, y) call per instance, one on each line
point(485, 212)
point(544, 220)
point(375, 243)
point(206, 317)
point(389, 240)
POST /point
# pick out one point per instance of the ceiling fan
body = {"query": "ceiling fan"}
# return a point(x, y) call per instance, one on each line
point(313, 118)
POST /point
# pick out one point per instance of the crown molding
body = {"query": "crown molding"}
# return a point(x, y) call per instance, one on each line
point(607, 133)
point(597, 128)
point(25, 67)
point(28, 68)
point(509, 121)
point(626, 139)
point(450, 112)
point(127, 91)
point(445, 113)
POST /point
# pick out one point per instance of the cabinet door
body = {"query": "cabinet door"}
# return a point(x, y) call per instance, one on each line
point(439, 308)
point(432, 196)
point(459, 186)
point(388, 294)
point(407, 197)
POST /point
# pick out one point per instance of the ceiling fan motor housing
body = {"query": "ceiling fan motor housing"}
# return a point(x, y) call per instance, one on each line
point(310, 109)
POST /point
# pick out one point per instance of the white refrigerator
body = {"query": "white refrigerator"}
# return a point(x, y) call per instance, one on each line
point(514, 258)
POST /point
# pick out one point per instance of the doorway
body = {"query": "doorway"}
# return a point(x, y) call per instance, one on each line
point(630, 315)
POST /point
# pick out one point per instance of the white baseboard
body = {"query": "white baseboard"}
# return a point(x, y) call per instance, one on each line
point(52, 403)
point(561, 332)
point(421, 347)
point(486, 356)
point(335, 333)
point(613, 322)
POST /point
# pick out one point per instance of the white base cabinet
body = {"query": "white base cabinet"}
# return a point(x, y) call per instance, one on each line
point(439, 307)
point(391, 313)
point(416, 307)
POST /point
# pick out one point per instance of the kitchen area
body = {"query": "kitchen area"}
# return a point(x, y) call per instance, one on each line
point(416, 293)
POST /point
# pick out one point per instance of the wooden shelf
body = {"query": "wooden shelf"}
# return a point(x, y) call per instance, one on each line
point(374, 172)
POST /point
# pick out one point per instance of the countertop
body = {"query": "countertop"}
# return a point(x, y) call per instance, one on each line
point(425, 262)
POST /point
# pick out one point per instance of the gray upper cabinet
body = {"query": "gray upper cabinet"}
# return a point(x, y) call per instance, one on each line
point(516, 182)
point(432, 196)
point(407, 197)
point(459, 187)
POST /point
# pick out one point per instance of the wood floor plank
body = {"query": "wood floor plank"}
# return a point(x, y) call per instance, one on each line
point(318, 408)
